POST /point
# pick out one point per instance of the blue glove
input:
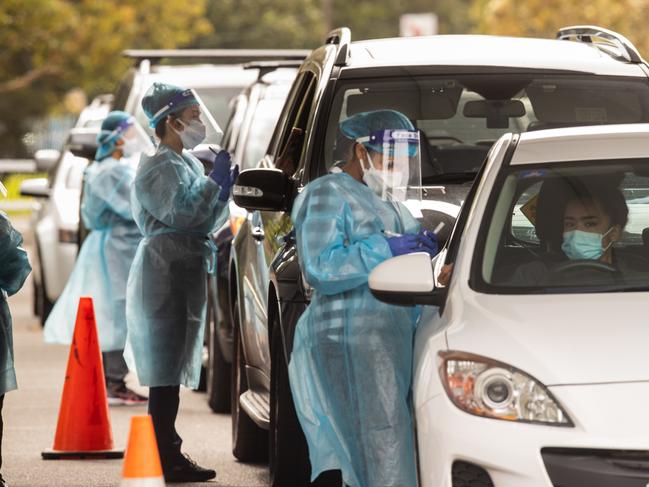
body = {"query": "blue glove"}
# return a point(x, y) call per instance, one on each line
point(226, 187)
point(428, 241)
point(424, 241)
point(404, 244)
point(221, 169)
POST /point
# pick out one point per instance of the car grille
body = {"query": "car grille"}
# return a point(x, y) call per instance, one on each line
point(467, 474)
point(569, 467)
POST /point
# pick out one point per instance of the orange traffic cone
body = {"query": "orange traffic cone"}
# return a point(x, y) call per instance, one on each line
point(83, 429)
point(142, 463)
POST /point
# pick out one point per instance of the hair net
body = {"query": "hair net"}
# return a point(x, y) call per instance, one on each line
point(162, 99)
point(113, 126)
point(364, 123)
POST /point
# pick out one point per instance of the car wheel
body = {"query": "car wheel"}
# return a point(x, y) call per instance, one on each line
point(249, 441)
point(218, 370)
point(288, 451)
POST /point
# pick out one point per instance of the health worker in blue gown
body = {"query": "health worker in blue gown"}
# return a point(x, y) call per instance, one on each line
point(176, 206)
point(350, 369)
point(105, 257)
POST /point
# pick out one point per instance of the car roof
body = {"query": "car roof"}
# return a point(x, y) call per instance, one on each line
point(597, 142)
point(202, 75)
point(491, 51)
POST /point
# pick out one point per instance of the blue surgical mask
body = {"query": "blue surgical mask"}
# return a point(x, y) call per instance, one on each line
point(580, 245)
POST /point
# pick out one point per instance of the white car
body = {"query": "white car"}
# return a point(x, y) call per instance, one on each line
point(531, 370)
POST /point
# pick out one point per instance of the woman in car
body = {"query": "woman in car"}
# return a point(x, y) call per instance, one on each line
point(593, 216)
point(350, 368)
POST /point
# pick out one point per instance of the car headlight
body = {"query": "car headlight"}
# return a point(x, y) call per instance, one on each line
point(485, 387)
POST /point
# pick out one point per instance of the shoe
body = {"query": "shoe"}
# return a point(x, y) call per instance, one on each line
point(2, 481)
point(120, 395)
point(187, 470)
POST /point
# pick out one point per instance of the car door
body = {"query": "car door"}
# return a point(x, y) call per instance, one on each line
point(262, 234)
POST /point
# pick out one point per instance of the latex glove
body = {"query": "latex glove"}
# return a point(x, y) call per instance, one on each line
point(221, 169)
point(428, 241)
point(404, 244)
point(226, 187)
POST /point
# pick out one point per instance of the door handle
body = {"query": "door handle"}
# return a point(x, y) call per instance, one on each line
point(258, 233)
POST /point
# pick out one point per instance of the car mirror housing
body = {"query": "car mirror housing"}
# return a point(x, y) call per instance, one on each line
point(83, 142)
point(264, 189)
point(35, 188)
point(406, 280)
point(45, 159)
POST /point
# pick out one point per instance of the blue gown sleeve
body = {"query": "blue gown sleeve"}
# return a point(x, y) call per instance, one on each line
point(14, 264)
point(333, 260)
point(178, 197)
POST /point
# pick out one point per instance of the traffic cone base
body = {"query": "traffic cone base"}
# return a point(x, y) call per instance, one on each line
point(83, 429)
point(143, 482)
point(82, 455)
point(142, 463)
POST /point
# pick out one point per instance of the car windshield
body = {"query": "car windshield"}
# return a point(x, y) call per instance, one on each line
point(260, 131)
point(216, 99)
point(461, 117)
point(567, 227)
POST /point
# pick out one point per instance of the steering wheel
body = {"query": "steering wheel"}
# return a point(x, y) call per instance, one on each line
point(578, 265)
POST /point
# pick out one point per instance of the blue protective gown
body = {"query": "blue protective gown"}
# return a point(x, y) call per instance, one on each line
point(14, 269)
point(350, 368)
point(176, 206)
point(102, 266)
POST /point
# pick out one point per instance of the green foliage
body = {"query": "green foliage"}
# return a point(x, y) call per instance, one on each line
point(51, 46)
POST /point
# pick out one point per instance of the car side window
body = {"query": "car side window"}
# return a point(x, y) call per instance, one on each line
point(291, 145)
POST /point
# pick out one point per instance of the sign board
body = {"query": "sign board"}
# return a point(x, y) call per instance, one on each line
point(413, 25)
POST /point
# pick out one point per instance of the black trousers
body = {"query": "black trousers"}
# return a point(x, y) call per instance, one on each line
point(115, 368)
point(163, 408)
point(2, 399)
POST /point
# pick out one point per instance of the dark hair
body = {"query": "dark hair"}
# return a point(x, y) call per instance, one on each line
point(161, 126)
point(607, 196)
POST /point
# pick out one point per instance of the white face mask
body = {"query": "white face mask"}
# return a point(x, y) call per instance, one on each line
point(377, 180)
point(193, 134)
point(130, 147)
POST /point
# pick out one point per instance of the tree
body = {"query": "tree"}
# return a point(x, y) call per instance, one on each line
point(542, 18)
point(51, 46)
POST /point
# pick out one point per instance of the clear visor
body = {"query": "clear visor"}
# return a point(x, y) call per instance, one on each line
point(136, 141)
point(213, 132)
point(394, 164)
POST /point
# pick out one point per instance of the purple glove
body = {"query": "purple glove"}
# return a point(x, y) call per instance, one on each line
point(226, 187)
point(424, 241)
point(221, 169)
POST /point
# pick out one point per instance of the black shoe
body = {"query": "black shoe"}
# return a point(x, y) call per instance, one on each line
point(2, 481)
point(187, 470)
point(120, 395)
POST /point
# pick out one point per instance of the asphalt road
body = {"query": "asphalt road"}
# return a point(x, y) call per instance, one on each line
point(30, 416)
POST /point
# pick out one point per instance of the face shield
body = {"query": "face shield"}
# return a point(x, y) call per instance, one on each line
point(199, 127)
point(393, 166)
point(135, 141)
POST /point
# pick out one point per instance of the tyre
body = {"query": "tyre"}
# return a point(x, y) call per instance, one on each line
point(249, 441)
point(218, 370)
point(288, 451)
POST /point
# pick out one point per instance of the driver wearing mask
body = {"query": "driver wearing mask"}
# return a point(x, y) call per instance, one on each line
point(593, 220)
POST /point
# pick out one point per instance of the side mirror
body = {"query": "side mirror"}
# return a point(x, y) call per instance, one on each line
point(45, 159)
point(406, 280)
point(36, 188)
point(83, 142)
point(264, 190)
